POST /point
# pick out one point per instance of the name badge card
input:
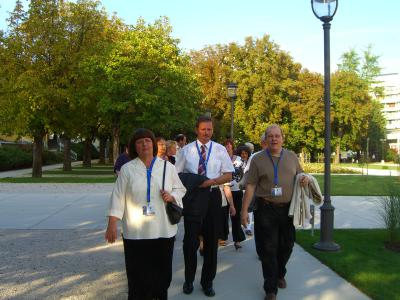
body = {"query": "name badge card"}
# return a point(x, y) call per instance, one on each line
point(276, 191)
point(148, 210)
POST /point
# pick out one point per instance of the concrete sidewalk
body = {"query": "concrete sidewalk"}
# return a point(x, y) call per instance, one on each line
point(52, 247)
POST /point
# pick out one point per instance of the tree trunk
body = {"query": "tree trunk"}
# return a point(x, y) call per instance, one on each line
point(337, 156)
point(67, 154)
point(37, 156)
point(110, 152)
point(102, 151)
point(87, 153)
point(115, 144)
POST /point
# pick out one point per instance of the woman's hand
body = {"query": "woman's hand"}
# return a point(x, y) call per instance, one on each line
point(232, 210)
point(167, 197)
point(111, 232)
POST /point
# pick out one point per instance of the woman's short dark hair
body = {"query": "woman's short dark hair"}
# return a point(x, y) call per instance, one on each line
point(140, 134)
point(243, 148)
point(229, 141)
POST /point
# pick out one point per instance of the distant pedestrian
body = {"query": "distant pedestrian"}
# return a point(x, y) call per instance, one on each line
point(271, 177)
point(122, 159)
point(171, 151)
point(181, 141)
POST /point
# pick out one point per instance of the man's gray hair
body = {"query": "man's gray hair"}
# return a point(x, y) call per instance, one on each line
point(271, 127)
point(250, 146)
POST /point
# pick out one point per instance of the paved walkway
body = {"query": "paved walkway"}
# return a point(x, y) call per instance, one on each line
point(52, 247)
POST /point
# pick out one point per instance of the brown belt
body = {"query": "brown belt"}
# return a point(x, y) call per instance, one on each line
point(275, 204)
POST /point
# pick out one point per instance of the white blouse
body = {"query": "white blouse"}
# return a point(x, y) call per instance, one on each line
point(130, 195)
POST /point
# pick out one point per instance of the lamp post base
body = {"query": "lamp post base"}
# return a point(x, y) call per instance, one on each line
point(326, 242)
point(326, 246)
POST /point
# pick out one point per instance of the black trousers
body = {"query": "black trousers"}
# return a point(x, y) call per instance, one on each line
point(224, 223)
point(274, 235)
point(148, 267)
point(208, 227)
point(237, 231)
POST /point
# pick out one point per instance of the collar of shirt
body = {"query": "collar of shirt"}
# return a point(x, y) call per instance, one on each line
point(207, 144)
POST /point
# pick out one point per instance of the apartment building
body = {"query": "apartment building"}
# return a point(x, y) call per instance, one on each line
point(391, 108)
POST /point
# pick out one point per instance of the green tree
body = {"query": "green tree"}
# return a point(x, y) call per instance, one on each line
point(306, 133)
point(352, 111)
point(148, 82)
point(366, 66)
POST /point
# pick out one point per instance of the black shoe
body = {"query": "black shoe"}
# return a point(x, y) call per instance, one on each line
point(187, 288)
point(209, 292)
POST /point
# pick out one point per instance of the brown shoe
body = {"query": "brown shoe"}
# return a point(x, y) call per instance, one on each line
point(270, 296)
point(282, 283)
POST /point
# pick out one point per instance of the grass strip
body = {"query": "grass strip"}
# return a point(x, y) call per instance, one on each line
point(362, 260)
point(59, 180)
point(80, 172)
point(358, 185)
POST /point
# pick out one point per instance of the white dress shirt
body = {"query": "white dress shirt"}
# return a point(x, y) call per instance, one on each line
point(130, 195)
point(219, 162)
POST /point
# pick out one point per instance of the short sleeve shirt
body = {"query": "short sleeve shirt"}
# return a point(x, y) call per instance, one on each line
point(261, 174)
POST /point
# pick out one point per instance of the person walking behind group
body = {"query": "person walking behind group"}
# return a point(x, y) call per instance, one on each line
point(271, 176)
point(208, 159)
point(161, 148)
point(122, 159)
point(237, 194)
point(181, 141)
point(139, 202)
point(171, 151)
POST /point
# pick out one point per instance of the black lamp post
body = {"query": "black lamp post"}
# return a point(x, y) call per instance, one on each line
point(383, 149)
point(232, 89)
point(325, 10)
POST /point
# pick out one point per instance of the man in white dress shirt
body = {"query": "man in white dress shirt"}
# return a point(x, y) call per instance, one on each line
point(205, 158)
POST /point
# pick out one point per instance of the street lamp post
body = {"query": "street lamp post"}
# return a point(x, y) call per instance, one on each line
point(325, 10)
point(383, 149)
point(232, 89)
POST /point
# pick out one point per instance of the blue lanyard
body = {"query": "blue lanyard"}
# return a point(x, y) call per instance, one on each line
point(202, 161)
point(149, 178)
point(275, 166)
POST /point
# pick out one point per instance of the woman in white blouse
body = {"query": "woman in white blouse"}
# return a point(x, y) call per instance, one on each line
point(139, 201)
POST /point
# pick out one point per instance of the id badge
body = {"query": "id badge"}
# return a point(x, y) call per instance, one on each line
point(276, 191)
point(148, 210)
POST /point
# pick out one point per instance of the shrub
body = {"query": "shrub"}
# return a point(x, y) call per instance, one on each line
point(14, 158)
point(52, 157)
point(79, 147)
point(389, 212)
point(319, 168)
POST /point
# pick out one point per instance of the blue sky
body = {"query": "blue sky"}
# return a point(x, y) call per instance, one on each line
point(290, 23)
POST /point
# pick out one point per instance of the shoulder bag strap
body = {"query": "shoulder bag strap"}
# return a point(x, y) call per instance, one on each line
point(163, 175)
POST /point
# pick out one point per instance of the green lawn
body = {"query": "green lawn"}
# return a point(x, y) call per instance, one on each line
point(362, 260)
point(59, 180)
point(341, 185)
point(372, 166)
point(79, 174)
point(358, 185)
point(95, 171)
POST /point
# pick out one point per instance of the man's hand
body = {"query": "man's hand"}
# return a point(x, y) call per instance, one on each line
point(304, 181)
point(244, 218)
